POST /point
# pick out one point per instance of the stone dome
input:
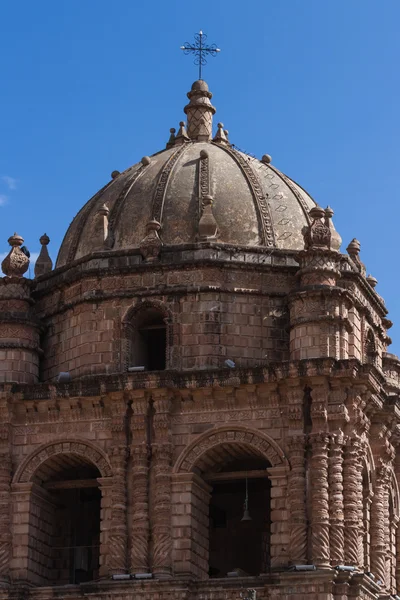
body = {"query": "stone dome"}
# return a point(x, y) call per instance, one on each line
point(252, 203)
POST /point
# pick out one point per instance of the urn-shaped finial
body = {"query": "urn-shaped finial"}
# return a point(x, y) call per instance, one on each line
point(16, 262)
point(318, 234)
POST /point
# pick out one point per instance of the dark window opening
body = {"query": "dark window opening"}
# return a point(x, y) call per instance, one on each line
point(65, 519)
point(236, 545)
point(149, 344)
point(77, 540)
point(154, 342)
point(371, 353)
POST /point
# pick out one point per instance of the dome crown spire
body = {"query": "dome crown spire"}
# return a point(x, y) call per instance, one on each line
point(199, 112)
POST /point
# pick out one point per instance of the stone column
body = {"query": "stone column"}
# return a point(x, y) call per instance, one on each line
point(336, 506)
point(161, 482)
point(118, 459)
point(190, 525)
point(378, 541)
point(5, 497)
point(140, 527)
point(106, 513)
point(280, 537)
point(320, 551)
point(397, 567)
point(353, 501)
point(297, 501)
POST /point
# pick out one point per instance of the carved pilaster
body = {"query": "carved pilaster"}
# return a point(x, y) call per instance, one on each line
point(397, 564)
point(118, 459)
point(5, 495)
point(140, 527)
point(297, 501)
point(161, 480)
point(336, 506)
point(378, 538)
point(319, 500)
point(353, 501)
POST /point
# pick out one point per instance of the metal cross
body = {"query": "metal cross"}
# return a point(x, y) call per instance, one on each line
point(200, 50)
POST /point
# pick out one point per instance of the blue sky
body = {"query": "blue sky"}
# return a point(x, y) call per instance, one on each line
point(89, 86)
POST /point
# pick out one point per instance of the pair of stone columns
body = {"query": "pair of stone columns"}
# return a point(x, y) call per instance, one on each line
point(149, 544)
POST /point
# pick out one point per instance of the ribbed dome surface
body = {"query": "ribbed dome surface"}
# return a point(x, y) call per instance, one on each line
point(253, 203)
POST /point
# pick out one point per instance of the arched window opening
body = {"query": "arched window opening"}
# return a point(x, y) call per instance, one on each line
point(65, 522)
point(239, 518)
point(149, 344)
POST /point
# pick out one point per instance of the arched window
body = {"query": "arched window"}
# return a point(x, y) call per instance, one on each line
point(239, 518)
point(64, 522)
point(148, 339)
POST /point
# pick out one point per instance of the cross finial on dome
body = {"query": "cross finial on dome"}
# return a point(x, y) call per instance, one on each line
point(200, 49)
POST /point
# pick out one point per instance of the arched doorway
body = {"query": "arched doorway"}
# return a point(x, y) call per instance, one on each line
point(61, 506)
point(209, 500)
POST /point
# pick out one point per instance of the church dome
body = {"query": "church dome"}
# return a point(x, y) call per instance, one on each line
point(198, 189)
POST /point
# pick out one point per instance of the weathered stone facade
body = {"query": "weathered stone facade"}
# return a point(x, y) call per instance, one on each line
point(189, 363)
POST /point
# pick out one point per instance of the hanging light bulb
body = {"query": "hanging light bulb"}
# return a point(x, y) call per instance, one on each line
point(246, 513)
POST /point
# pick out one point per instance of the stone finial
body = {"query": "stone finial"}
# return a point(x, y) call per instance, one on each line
point(353, 250)
point(101, 231)
point(266, 158)
point(150, 246)
point(182, 135)
point(16, 262)
point(373, 282)
point(171, 141)
point(115, 174)
point(44, 263)
point(221, 137)
point(336, 240)
point(200, 112)
point(208, 227)
point(318, 234)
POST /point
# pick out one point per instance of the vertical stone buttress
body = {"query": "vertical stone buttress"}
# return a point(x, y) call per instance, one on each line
point(319, 309)
point(199, 112)
point(320, 500)
point(336, 506)
point(161, 481)
point(353, 501)
point(298, 521)
point(337, 419)
point(118, 459)
point(19, 333)
point(140, 527)
point(5, 492)
point(378, 537)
